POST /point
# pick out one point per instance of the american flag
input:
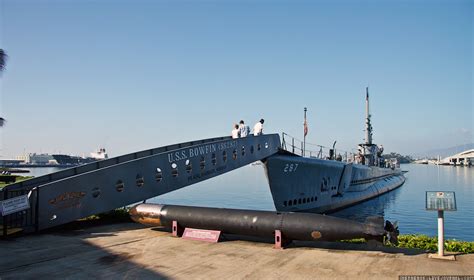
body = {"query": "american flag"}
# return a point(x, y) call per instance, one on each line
point(305, 127)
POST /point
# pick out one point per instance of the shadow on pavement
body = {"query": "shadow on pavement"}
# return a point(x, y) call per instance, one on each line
point(69, 253)
point(336, 246)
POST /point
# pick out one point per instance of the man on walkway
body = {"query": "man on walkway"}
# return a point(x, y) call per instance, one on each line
point(235, 132)
point(258, 128)
point(243, 129)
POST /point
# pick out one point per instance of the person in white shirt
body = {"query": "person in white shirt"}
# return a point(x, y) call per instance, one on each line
point(243, 129)
point(258, 128)
point(235, 132)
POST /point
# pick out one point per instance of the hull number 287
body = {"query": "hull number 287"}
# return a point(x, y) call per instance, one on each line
point(290, 167)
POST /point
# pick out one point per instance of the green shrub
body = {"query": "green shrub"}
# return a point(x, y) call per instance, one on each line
point(424, 242)
point(117, 215)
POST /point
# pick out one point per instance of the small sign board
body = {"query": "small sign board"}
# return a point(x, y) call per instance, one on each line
point(201, 234)
point(15, 204)
point(441, 200)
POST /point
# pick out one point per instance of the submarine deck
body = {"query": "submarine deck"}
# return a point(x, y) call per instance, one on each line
point(129, 250)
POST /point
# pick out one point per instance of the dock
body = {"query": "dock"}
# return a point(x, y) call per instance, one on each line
point(132, 251)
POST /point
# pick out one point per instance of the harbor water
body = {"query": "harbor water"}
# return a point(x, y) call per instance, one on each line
point(247, 188)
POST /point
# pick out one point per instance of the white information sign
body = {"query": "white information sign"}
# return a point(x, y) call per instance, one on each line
point(14, 204)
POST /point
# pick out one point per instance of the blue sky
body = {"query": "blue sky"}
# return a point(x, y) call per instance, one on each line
point(132, 75)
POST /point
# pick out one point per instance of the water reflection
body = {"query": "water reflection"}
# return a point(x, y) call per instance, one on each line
point(372, 207)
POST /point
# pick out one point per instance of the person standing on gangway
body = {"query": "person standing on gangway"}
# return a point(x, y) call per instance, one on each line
point(235, 132)
point(258, 128)
point(243, 129)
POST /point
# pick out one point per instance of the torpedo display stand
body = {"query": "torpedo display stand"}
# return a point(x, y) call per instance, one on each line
point(280, 241)
point(176, 229)
point(441, 201)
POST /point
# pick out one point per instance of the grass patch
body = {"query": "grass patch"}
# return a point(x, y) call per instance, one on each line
point(118, 215)
point(431, 243)
point(18, 179)
point(424, 242)
point(355, 241)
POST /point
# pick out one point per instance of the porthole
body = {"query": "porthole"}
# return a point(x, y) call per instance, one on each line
point(140, 180)
point(213, 159)
point(234, 154)
point(299, 201)
point(312, 199)
point(158, 175)
point(294, 201)
point(95, 192)
point(189, 166)
point(304, 200)
point(259, 147)
point(174, 170)
point(224, 156)
point(202, 163)
point(243, 150)
point(251, 149)
point(119, 186)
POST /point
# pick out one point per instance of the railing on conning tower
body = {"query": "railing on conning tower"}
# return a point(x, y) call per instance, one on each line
point(298, 147)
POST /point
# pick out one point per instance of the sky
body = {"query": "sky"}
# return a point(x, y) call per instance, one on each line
point(133, 75)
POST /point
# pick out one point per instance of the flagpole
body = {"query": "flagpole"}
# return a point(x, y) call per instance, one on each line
point(304, 132)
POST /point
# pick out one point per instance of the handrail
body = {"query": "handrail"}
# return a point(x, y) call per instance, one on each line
point(321, 152)
point(73, 171)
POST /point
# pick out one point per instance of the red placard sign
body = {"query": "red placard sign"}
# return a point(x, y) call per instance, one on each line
point(202, 234)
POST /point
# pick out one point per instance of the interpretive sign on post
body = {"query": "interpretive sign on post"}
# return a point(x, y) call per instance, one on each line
point(15, 204)
point(441, 201)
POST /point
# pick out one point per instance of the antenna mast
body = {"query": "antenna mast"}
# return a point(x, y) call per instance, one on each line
point(368, 126)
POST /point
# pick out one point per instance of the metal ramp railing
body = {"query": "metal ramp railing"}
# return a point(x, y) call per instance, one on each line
point(79, 192)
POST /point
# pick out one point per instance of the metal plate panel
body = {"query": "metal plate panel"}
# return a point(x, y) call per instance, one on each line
point(441, 200)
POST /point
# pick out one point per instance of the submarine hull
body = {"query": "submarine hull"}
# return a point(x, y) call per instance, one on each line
point(300, 184)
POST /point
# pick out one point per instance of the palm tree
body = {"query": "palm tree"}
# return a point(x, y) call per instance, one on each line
point(3, 59)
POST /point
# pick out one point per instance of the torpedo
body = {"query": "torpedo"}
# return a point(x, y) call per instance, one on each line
point(293, 226)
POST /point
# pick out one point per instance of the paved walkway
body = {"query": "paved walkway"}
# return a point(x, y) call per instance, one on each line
point(131, 251)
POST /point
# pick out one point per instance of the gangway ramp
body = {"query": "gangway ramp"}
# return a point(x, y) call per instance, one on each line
point(98, 187)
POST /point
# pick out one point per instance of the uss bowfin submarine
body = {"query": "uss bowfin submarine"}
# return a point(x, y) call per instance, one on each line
point(322, 185)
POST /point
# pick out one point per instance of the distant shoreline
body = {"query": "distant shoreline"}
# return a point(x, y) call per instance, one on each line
point(39, 165)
